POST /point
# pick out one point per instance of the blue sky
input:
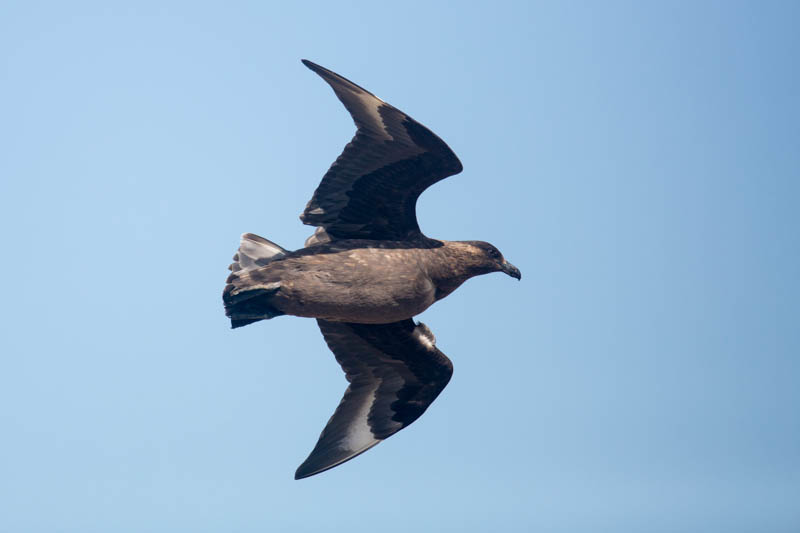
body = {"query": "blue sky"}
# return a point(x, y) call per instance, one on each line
point(639, 161)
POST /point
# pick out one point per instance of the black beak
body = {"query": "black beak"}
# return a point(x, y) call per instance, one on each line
point(511, 270)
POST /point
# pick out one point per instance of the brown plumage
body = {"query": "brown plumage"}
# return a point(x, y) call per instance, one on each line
point(364, 273)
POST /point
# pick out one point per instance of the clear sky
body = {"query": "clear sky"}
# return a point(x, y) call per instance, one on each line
point(638, 161)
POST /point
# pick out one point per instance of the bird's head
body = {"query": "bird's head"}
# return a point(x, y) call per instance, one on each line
point(491, 260)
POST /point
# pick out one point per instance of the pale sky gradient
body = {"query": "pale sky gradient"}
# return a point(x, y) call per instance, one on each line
point(638, 161)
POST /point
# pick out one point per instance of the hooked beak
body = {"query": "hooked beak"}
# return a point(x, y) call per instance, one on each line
point(511, 270)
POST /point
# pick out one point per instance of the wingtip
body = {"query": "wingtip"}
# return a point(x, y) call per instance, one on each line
point(305, 470)
point(312, 466)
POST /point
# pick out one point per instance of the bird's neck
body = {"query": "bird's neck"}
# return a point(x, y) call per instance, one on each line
point(451, 265)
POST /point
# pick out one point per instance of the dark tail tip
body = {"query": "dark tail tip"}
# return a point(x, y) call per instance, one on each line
point(238, 323)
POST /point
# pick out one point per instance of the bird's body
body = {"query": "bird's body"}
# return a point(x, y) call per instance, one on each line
point(364, 273)
point(368, 282)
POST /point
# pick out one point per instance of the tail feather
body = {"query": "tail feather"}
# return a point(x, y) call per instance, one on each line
point(248, 300)
point(243, 322)
point(245, 303)
point(254, 252)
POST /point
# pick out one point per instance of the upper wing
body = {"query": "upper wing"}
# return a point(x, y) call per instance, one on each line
point(371, 190)
point(395, 372)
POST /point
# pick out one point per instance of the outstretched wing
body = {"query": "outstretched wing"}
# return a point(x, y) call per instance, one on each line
point(371, 190)
point(395, 372)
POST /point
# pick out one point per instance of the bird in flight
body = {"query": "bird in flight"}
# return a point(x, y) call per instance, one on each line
point(365, 273)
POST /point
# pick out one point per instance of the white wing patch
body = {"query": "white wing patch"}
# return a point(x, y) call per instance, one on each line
point(425, 336)
point(369, 116)
point(359, 435)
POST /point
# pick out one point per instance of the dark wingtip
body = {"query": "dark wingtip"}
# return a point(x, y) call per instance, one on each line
point(303, 471)
point(319, 70)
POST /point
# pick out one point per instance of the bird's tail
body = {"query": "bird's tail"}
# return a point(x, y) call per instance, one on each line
point(254, 252)
point(246, 299)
